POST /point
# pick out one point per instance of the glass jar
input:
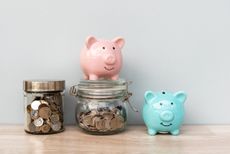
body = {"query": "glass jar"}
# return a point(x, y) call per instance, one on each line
point(43, 108)
point(101, 107)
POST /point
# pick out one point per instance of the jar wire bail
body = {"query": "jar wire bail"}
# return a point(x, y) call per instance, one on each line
point(128, 95)
point(73, 90)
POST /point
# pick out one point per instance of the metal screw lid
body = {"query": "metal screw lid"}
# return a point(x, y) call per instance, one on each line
point(43, 85)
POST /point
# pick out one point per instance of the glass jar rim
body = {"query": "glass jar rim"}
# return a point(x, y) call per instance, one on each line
point(100, 89)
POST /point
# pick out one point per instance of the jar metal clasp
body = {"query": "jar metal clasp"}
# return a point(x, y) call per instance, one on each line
point(128, 95)
point(73, 90)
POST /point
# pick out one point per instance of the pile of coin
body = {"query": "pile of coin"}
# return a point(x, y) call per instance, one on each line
point(45, 115)
point(102, 120)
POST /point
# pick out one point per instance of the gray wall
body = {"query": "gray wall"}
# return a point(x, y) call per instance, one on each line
point(170, 44)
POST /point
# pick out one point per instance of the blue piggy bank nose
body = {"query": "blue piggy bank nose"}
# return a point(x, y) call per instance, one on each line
point(166, 116)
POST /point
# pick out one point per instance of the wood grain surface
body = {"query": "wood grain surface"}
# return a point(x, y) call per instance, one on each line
point(194, 139)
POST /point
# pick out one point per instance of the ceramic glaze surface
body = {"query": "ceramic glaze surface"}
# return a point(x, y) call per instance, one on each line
point(163, 111)
point(101, 58)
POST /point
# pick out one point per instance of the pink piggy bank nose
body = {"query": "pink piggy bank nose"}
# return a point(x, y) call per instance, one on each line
point(110, 60)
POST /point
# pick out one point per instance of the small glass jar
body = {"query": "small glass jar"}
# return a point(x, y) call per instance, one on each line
point(101, 107)
point(43, 109)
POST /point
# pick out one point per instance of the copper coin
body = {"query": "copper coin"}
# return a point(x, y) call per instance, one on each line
point(95, 119)
point(121, 122)
point(114, 123)
point(107, 124)
point(45, 128)
point(53, 107)
point(44, 112)
point(87, 120)
point(100, 124)
point(117, 122)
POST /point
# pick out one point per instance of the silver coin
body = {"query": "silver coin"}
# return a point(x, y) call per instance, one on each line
point(56, 126)
point(34, 114)
point(35, 104)
point(38, 122)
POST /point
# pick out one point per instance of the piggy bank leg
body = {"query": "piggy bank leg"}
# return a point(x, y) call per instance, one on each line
point(115, 77)
point(152, 131)
point(175, 132)
point(86, 77)
point(93, 77)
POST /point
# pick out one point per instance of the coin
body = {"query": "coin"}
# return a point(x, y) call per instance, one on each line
point(87, 120)
point(95, 119)
point(82, 125)
point(44, 112)
point(44, 102)
point(117, 122)
point(102, 119)
point(107, 115)
point(34, 114)
point(32, 127)
point(53, 107)
point(113, 123)
point(120, 122)
point(107, 124)
point(115, 111)
point(54, 118)
point(47, 121)
point(35, 104)
point(45, 128)
point(56, 126)
point(100, 124)
point(38, 122)
point(94, 112)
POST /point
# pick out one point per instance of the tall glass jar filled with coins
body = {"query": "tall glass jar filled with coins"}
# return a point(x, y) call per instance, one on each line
point(101, 105)
point(43, 109)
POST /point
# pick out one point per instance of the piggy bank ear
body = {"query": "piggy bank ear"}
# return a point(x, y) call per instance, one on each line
point(90, 40)
point(180, 96)
point(119, 41)
point(149, 96)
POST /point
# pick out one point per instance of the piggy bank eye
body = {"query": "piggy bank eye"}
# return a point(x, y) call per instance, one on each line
point(171, 103)
point(157, 106)
point(113, 48)
point(103, 48)
point(161, 104)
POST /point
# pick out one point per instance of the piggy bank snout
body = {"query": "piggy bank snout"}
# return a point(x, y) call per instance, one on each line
point(166, 116)
point(110, 59)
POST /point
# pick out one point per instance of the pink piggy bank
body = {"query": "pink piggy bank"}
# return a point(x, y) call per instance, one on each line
point(101, 59)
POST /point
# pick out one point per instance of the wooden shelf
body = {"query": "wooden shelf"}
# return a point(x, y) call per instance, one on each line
point(193, 139)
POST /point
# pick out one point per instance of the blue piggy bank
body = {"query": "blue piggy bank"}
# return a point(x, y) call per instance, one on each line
point(163, 111)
